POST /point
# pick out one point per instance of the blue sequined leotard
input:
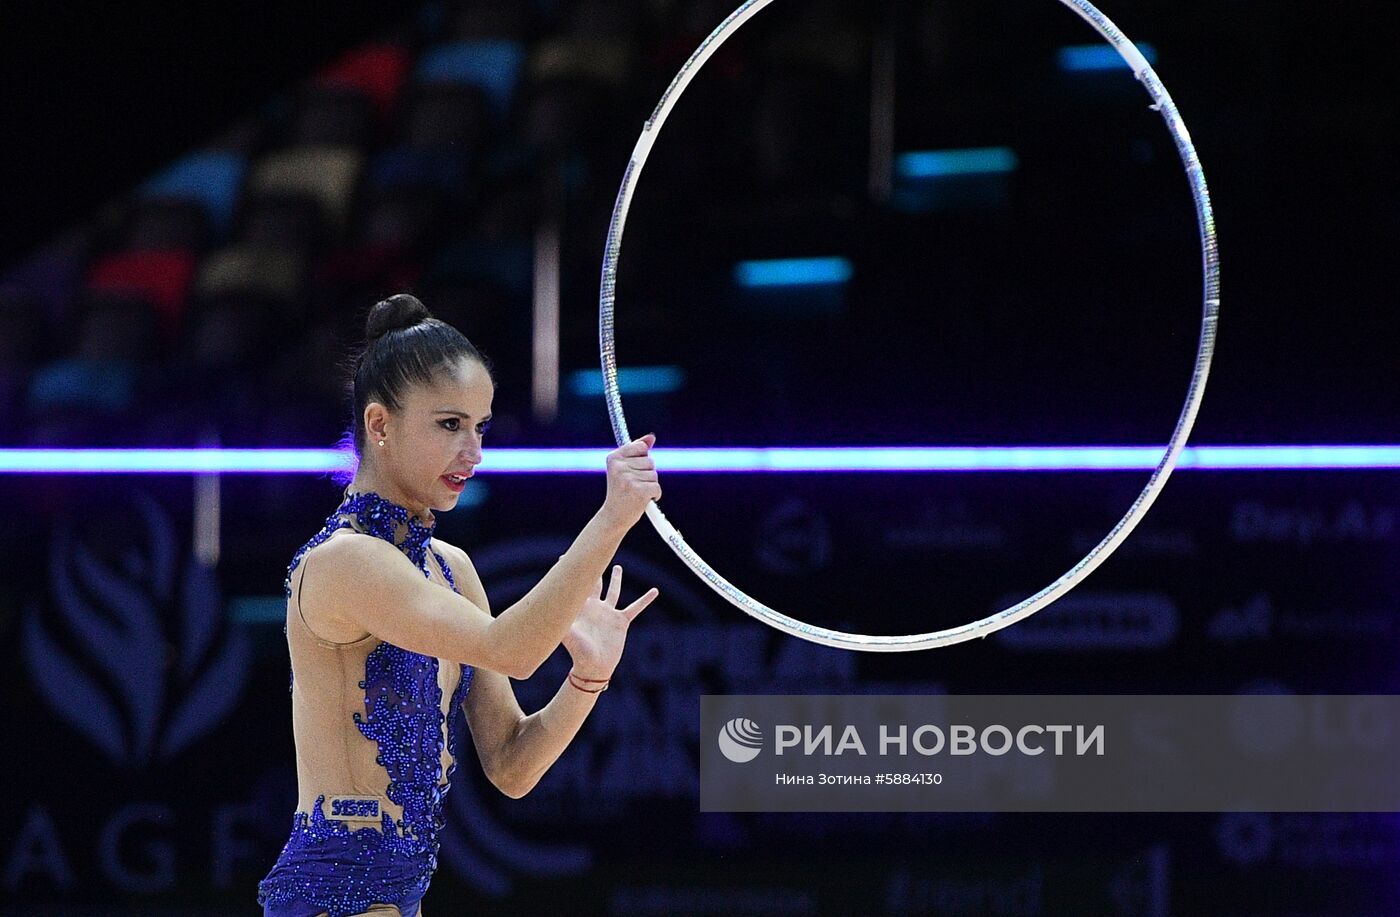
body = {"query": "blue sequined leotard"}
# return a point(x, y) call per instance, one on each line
point(340, 862)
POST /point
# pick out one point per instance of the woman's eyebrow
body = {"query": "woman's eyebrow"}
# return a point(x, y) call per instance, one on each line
point(458, 414)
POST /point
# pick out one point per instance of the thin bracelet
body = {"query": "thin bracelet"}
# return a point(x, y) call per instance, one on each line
point(593, 680)
point(574, 679)
point(572, 676)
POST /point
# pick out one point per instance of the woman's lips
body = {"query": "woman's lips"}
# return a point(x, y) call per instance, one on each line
point(456, 482)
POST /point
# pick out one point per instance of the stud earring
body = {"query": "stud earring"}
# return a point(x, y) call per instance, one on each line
point(381, 442)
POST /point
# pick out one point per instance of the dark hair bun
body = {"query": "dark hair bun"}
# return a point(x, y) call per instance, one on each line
point(399, 311)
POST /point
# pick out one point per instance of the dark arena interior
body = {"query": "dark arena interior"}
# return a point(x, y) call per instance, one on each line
point(957, 227)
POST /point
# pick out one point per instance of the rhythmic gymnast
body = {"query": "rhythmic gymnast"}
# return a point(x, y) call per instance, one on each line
point(389, 634)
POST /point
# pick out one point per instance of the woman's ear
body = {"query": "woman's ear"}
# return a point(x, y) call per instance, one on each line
point(376, 422)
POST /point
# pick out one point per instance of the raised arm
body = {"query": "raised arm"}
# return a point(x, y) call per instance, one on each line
point(369, 582)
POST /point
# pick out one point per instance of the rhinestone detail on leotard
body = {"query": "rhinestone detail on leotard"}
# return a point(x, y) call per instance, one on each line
point(372, 514)
point(345, 870)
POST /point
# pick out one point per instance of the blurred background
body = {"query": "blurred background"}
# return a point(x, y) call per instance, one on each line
point(880, 223)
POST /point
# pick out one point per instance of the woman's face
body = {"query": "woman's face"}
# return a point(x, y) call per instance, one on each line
point(432, 444)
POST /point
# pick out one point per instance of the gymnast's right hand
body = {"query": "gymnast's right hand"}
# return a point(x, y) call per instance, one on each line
point(632, 481)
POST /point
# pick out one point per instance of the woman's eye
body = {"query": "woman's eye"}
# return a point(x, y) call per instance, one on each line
point(450, 424)
point(483, 427)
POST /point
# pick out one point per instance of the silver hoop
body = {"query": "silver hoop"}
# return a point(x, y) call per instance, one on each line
point(1162, 103)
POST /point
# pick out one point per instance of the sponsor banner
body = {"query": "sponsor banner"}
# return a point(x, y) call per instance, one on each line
point(1050, 753)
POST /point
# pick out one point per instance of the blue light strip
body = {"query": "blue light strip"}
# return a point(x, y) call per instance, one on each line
point(1098, 58)
point(793, 272)
point(1294, 457)
point(722, 460)
point(631, 380)
point(992, 160)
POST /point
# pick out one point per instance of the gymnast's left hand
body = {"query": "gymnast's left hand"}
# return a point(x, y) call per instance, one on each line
point(599, 631)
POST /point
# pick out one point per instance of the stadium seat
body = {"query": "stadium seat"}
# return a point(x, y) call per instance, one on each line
point(246, 270)
point(212, 177)
point(605, 61)
point(378, 70)
point(493, 66)
point(409, 168)
point(75, 382)
point(326, 173)
point(161, 278)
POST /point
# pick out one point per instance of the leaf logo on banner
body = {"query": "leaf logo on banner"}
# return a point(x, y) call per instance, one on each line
point(133, 656)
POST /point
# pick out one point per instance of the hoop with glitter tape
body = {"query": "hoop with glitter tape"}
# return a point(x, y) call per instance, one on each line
point(1162, 103)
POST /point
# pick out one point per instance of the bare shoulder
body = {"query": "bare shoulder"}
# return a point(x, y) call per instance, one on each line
point(346, 570)
point(464, 572)
point(334, 574)
point(350, 560)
